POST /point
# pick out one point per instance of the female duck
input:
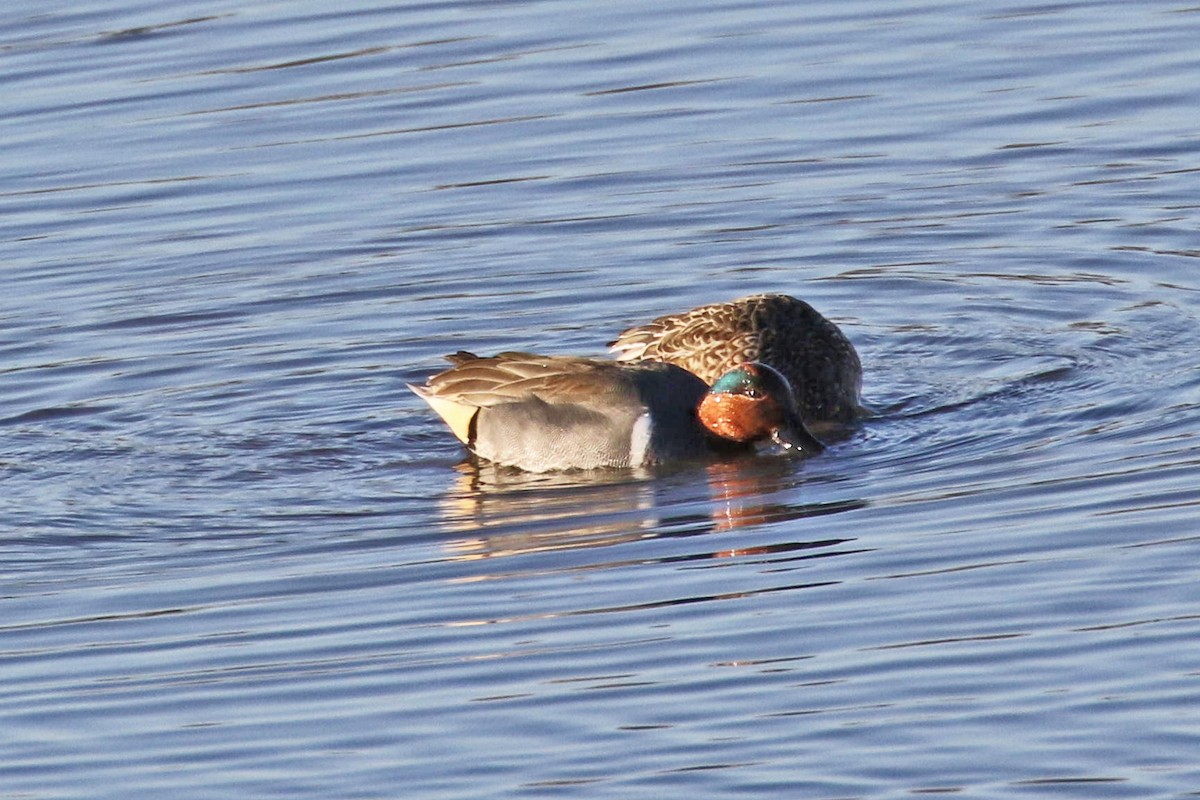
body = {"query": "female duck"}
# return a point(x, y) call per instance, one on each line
point(542, 413)
point(780, 331)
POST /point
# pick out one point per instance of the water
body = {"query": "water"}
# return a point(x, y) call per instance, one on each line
point(241, 560)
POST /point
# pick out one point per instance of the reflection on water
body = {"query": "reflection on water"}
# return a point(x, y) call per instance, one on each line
point(508, 512)
point(755, 491)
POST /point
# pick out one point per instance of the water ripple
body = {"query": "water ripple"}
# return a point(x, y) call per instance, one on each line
point(241, 559)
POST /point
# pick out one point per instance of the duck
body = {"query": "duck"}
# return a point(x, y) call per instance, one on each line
point(544, 413)
point(776, 330)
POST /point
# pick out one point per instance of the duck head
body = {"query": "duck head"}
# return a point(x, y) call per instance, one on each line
point(752, 403)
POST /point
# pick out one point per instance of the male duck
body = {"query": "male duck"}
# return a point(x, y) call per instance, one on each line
point(541, 413)
point(773, 329)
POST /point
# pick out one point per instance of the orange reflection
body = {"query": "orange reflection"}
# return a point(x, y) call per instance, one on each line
point(504, 512)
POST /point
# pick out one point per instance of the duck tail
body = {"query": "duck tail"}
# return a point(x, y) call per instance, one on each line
point(459, 416)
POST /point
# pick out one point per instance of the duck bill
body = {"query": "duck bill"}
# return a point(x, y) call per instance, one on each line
point(794, 436)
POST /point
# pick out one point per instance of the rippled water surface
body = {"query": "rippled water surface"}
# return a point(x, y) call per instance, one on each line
point(239, 559)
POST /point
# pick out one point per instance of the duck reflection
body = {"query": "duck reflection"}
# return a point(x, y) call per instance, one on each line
point(500, 511)
point(506, 511)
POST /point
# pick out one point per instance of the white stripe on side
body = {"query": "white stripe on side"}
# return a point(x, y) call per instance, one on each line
point(639, 440)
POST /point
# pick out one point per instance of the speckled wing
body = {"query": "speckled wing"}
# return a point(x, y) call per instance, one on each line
point(706, 341)
point(711, 339)
point(778, 330)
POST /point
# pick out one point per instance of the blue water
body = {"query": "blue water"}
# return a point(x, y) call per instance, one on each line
point(239, 559)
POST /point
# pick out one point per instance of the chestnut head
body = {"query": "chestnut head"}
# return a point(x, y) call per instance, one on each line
point(752, 403)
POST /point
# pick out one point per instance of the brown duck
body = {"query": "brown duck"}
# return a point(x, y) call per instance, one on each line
point(777, 330)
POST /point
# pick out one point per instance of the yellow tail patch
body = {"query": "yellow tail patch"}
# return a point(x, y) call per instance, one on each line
point(457, 415)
